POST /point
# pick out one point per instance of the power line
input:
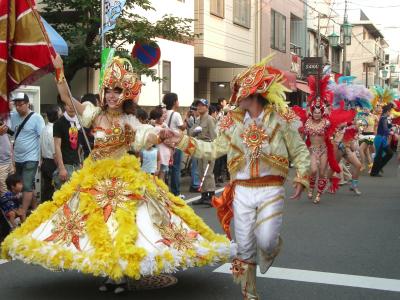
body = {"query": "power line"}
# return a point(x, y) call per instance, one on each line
point(355, 37)
point(317, 11)
point(373, 6)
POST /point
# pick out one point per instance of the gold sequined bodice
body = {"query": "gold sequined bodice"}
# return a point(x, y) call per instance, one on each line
point(112, 142)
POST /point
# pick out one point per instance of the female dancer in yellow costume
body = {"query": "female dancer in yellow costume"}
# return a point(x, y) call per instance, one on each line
point(111, 219)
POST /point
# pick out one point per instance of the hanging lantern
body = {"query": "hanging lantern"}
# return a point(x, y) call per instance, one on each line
point(333, 39)
point(347, 29)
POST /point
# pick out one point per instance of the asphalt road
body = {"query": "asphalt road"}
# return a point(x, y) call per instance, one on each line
point(345, 234)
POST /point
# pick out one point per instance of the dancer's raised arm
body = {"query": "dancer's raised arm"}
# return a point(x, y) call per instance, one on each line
point(62, 85)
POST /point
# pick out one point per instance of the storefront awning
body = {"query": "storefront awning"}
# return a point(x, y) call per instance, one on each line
point(59, 44)
point(302, 86)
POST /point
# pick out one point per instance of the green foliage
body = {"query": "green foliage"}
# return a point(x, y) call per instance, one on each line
point(78, 22)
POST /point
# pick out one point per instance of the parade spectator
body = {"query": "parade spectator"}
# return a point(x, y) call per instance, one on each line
point(89, 97)
point(142, 115)
point(213, 112)
point(66, 142)
point(221, 162)
point(204, 129)
point(191, 117)
point(48, 165)
point(383, 151)
point(164, 152)
point(224, 108)
point(150, 159)
point(6, 163)
point(10, 201)
point(94, 99)
point(27, 127)
point(174, 122)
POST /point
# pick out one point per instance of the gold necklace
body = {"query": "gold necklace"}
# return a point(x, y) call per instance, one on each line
point(113, 113)
point(113, 123)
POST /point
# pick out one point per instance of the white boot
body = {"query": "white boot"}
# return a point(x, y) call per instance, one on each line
point(265, 260)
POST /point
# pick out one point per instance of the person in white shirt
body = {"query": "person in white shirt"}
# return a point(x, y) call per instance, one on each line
point(48, 165)
point(174, 122)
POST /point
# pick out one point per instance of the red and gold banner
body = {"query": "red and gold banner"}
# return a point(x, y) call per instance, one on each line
point(24, 47)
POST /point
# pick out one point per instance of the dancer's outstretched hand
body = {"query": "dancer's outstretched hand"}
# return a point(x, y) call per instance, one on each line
point(170, 137)
point(298, 189)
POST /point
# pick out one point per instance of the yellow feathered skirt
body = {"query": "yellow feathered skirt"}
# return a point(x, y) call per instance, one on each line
point(112, 219)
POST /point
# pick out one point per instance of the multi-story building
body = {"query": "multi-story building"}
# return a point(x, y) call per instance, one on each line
point(284, 34)
point(227, 43)
point(366, 53)
point(237, 33)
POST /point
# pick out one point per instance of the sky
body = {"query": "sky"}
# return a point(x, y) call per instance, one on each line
point(385, 14)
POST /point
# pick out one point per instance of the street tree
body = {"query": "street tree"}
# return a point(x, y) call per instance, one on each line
point(78, 22)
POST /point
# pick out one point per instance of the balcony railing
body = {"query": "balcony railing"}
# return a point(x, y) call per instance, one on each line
point(295, 49)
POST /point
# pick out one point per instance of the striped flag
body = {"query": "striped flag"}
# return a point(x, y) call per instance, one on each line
point(24, 47)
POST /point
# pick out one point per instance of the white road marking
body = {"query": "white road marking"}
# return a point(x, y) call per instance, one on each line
point(3, 261)
point(365, 282)
point(198, 197)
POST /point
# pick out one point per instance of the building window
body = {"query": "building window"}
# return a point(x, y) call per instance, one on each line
point(241, 12)
point(166, 69)
point(278, 31)
point(335, 60)
point(348, 68)
point(217, 8)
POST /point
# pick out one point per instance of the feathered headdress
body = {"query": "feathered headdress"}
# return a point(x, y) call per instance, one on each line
point(260, 79)
point(119, 74)
point(324, 99)
point(354, 95)
point(382, 96)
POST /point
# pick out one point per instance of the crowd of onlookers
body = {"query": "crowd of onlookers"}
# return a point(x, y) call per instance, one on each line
point(58, 147)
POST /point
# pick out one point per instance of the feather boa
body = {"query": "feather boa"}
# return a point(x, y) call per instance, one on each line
point(117, 255)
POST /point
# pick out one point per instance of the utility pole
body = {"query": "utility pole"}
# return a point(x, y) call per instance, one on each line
point(319, 36)
point(318, 54)
point(344, 69)
point(102, 25)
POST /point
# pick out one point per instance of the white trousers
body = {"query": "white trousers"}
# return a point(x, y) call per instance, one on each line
point(258, 219)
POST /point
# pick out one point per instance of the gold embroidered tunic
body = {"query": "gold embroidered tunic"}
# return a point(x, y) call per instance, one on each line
point(259, 147)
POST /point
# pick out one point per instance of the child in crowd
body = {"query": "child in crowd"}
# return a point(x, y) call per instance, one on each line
point(149, 157)
point(10, 201)
point(157, 117)
point(142, 115)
